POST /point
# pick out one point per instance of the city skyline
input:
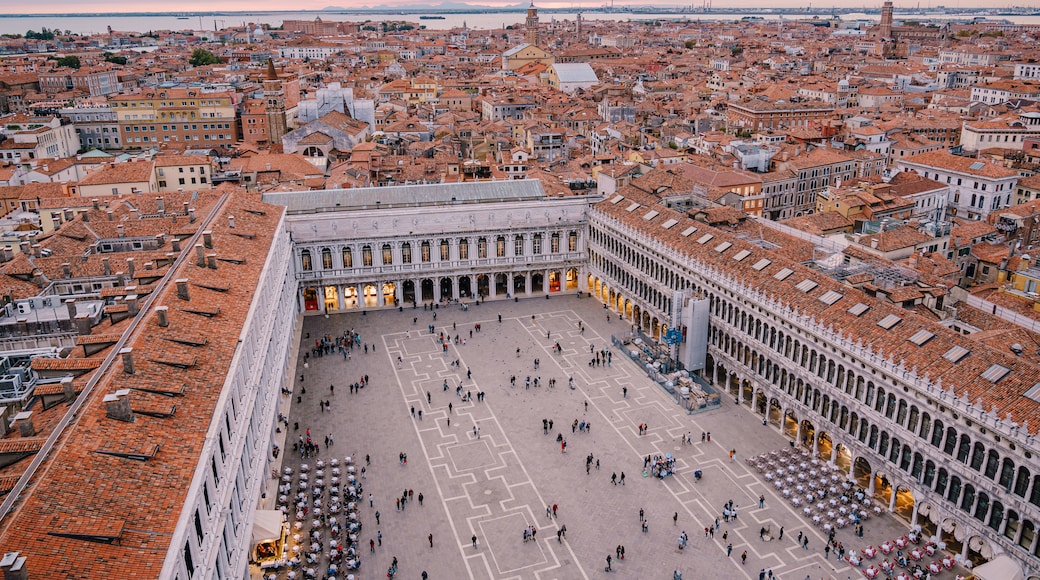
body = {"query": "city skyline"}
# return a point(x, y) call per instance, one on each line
point(176, 6)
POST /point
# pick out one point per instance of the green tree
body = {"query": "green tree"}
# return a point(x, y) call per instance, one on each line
point(690, 44)
point(43, 34)
point(202, 57)
point(115, 58)
point(70, 61)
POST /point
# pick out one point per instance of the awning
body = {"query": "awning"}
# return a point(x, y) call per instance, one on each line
point(1001, 567)
point(267, 526)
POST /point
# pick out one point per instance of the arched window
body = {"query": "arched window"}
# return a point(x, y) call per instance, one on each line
point(366, 256)
point(388, 255)
point(326, 259)
point(463, 249)
point(554, 243)
point(1022, 482)
point(518, 245)
point(978, 455)
point(992, 464)
point(305, 261)
point(445, 251)
point(424, 252)
point(406, 253)
point(536, 243)
point(572, 242)
point(482, 248)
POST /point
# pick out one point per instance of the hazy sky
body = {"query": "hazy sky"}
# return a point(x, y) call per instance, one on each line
point(67, 6)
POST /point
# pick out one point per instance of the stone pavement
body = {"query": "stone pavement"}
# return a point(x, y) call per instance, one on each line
point(498, 481)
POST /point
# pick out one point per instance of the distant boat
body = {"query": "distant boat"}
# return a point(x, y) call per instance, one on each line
point(182, 16)
point(431, 18)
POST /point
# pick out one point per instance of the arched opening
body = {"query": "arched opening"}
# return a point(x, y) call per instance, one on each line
point(554, 281)
point(748, 393)
point(408, 291)
point(389, 297)
point(572, 280)
point(483, 286)
point(843, 459)
point(371, 295)
point(948, 534)
point(775, 413)
point(655, 328)
point(331, 298)
point(808, 433)
point(883, 487)
point(538, 282)
point(465, 289)
point(519, 284)
point(861, 472)
point(446, 290)
point(310, 299)
point(904, 503)
point(825, 445)
point(350, 298)
point(502, 284)
point(427, 290)
point(791, 425)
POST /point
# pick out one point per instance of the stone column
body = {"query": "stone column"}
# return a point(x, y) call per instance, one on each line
point(380, 299)
point(892, 499)
point(528, 282)
point(545, 282)
point(870, 488)
point(341, 297)
point(492, 291)
point(359, 292)
point(399, 292)
point(417, 284)
point(913, 516)
point(834, 452)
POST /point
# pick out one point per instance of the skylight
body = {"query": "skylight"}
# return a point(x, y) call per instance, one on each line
point(688, 231)
point(761, 264)
point(977, 165)
point(739, 256)
point(705, 239)
point(806, 285)
point(668, 224)
point(956, 354)
point(617, 199)
point(858, 309)
point(995, 373)
point(830, 297)
point(783, 274)
point(921, 337)
point(632, 207)
point(889, 321)
point(651, 215)
point(723, 247)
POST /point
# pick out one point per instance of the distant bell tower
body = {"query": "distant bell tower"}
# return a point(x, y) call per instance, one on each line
point(274, 99)
point(577, 29)
point(886, 20)
point(531, 26)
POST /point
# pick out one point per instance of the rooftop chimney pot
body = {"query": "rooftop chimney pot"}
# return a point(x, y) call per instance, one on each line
point(128, 360)
point(162, 317)
point(207, 239)
point(182, 289)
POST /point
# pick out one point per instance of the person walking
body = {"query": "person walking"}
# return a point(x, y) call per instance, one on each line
point(474, 539)
point(430, 538)
point(609, 560)
point(641, 514)
point(622, 478)
point(377, 517)
point(729, 550)
point(743, 558)
point(675, 519)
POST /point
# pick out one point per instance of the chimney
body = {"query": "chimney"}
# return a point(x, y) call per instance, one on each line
point(66, 269)
point(160, 204)
point(130, 267)
point(176, 245)
point(85, 215)
point(191, 215)
point(24, 422)
point(267, 167)
point(95, 203)
point(70, 305)
point(182, 289)
point(111, 215)
point(56, 220)
point(211, 261)
point(207, 239)
point(231, 221)
point(8, 253)
point(25, 247)
point(83, 324)
point(106, 266)
point(69, 214)
point(117, 406)
point(200, 256)
point(121, 229)
point(162, 317)
point(120, 279)
point(149, 265)
point(160, 239)
point(131, 304)
point(128, 360)
point(38, 278)
point(68, 389)
point(873, 243)
point(13, 566)
point(184, 205)
point(36, 250)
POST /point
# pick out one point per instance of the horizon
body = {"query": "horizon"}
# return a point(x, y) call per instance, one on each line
point(92, 7)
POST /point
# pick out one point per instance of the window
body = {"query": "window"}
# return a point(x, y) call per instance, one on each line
point(463, 249)
point(424, 251)
point(305, 261)
point(572, 242)
point(326, 259)
point(518, 246)
point(500, 247)
point(366, 256)
point(388, 255)
point(406, 253)
point(537, 244)
point(445, 251)
point(554, 244)
point(482, 248)
point(348, 258)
